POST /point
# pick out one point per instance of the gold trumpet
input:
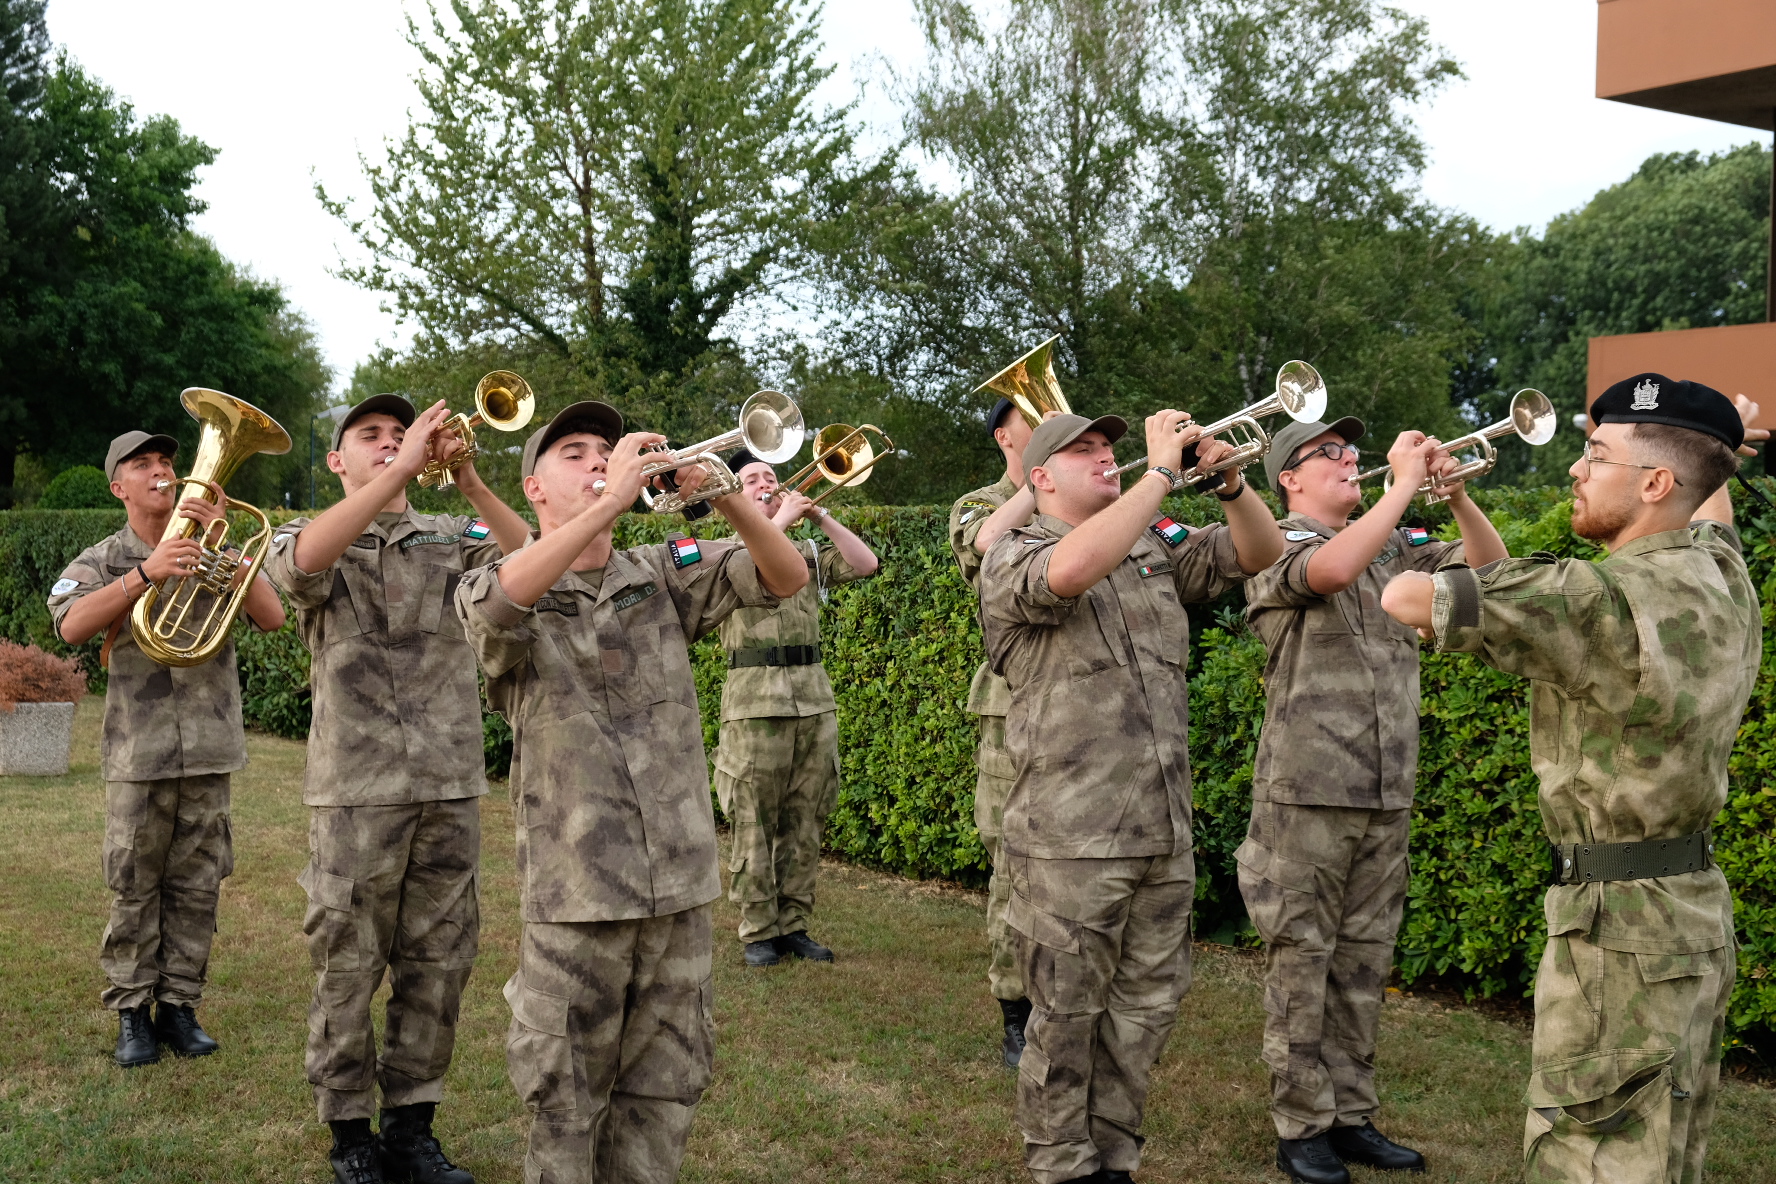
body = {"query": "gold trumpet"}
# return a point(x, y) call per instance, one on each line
point(842, 455)
point(770, 428)
point(1532, 418)
point(502, 400)
point(1030, 384)
point(185, 620)
point(1300, 393)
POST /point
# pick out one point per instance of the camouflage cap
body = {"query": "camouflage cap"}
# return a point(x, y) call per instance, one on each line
point(1288, 439)
point(134, 444)
point(393, 405)
point(1062, 430)
point(588, 415)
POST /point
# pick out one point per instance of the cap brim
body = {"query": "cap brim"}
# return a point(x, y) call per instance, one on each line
point(158, 442)
point(588, 415)
point(1350, 429)
point(394, 405)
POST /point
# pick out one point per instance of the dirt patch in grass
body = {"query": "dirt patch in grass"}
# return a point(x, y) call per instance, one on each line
point(883, 1067)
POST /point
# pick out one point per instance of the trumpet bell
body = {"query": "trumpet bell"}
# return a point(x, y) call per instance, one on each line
point(504, 400)
point(846, 454)
point(1532, 415)
point(1301, 391)
point(1030, 384)
point(771, 426)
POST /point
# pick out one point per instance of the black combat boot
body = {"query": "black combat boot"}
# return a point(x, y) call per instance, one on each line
point(1366, 1145)
point(1312, 1161)
point(762, 953)
point(800, 945)
point(354, 1156)
point(177, 1027)
point(1017, 1014)
point(410, 1152)
point(135, 1038)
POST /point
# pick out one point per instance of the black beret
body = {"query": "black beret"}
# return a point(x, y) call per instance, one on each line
point(1653, 398)
point(743, 458)
point(997, 415)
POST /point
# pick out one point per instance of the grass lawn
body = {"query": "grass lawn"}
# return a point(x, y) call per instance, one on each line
point(883, 1067)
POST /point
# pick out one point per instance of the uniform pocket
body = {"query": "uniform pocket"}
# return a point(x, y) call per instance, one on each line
point(331, 927)
point(1280, 895)
point(539, 1052)
point(1660, 968)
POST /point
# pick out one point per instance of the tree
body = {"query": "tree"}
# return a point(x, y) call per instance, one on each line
point(607, 182)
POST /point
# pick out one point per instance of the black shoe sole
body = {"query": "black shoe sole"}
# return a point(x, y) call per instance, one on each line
point(1282, 1167)
point(135, 1064)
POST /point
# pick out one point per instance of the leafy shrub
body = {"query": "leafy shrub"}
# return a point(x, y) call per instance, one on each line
point(82, 487)
point(29, 674)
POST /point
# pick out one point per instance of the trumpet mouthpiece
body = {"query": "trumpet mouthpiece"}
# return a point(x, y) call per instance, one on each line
point(163, 483)
point(598, 487)
point(389, 459)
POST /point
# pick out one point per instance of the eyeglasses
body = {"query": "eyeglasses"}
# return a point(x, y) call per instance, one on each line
point(1590, 460)
point(1332, 450)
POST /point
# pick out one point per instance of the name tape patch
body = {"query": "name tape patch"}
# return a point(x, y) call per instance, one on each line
point(1170, 533)
point(566, 606)
point(64, 586)
point(1300, 536)
point(1155, 569)
point(684, 552)
point(1387, 556)
point(419, 540)
point(634, 596)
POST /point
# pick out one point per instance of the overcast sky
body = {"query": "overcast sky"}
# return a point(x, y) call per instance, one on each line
point(290, 93)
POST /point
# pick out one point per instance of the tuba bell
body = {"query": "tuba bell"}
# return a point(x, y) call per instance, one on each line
point(185, 620)
point(1030, 384)
point(503, 400)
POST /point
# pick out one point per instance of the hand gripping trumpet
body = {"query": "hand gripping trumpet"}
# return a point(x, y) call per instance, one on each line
point(842, 455)
point(770, 428)
point(185, 620)
point(502, 400)
point(1300, 393)
point(1532, 417)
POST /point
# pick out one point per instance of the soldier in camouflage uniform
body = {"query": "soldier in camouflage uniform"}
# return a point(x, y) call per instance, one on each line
point(989, 699)
point(1640, 667)
point(585, 650)
point(777, 768)
point(1084, 617)
point(1323, 868)
point(172, 737)
point(393, 782)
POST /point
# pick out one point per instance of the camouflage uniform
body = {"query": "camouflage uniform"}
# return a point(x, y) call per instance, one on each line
point(989, 699)
point(612, 1032)
point(1097, 827)
point(394, 770)
point(1641, 666)
point(777, 769)
point(1323, 867)
point(172, 737)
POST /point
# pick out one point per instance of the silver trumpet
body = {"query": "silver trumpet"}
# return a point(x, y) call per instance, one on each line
point(770, 428)
point(1300, 392)
point(1532, 418)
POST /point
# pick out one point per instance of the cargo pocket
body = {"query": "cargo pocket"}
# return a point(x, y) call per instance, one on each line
point(1032, 1097)
point(331, 928)
point(1622, 1135)
point(1053, 964)
point(225, 848)
point(119, 854)
point(1281, 896)
point(539, 1053)
point(729, 770)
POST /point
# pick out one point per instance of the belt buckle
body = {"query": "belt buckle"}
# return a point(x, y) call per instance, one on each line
point(1560, 866)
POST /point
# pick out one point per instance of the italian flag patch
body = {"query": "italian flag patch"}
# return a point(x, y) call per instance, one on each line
point(477, 530)
point(684, 551)
point(1418, 536)
point(1169, 532)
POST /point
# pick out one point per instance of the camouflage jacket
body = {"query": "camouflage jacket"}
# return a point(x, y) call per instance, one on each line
point(610, 783)
point(1641, 666)
point(1099, 700)
point(1341, 684)
point(987, 694)
point(397, 714)
point(160, 721)
point(755, 692)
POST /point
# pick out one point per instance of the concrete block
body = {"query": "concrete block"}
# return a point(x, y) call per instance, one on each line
point(35, 739)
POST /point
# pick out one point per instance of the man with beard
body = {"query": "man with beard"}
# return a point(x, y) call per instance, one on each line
point(1640, 665)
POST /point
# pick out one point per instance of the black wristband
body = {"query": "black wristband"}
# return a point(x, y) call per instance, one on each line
point(1235, 495)
point(141, 570)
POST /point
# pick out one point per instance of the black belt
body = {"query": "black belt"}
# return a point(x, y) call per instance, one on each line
point(1584, 863)
point(777, 655)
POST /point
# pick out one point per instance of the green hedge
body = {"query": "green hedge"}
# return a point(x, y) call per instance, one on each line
point(900, 649)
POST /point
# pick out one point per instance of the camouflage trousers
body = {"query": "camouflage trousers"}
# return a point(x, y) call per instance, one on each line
point(777, 779)
point(1104, 946)
point(611, 1045)
point(1625, 1064)
point(992, 785)
point(167, 850)
point(1324, 886)
point(390, 888)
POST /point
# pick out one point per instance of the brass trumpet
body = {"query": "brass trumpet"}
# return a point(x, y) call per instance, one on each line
point(503, 400)
point(842, 455)
point(185, 620)
point(1532, 418)
point(770, 428)
point(1300, 392)
point(1030, 384)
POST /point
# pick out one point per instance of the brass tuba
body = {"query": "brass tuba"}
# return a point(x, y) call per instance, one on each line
point(1531, 417)
point(1030, 384)
point(502, 400)
point(1300, 393)
point(842, 455)
point(185, 620)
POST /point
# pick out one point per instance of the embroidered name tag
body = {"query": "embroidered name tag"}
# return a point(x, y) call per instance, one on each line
point(1299, 536)
point(64, 586)
point(1387, 556)
point(684, 552)
point(368, 541)
point(634, 596)
point(1169, 532)
point(566, 606)
point(119, 571)
point(418, 540)
point(1155, 569)
point(477, 530)
point(1418, 536)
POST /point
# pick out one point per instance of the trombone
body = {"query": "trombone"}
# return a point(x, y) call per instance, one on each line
point(502, 400)
point(1300, 392)
point(842, 455)
point(770, 428)
point(1532, 418)
point(1029, 384)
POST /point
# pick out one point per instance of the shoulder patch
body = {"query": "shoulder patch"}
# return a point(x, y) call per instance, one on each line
point(1170, 533)
point(477, 530)
point(634, 596)
point(63, 586)
point(968, 509)
point(1300, 536)
point(684, 552)
point(1418, 536)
